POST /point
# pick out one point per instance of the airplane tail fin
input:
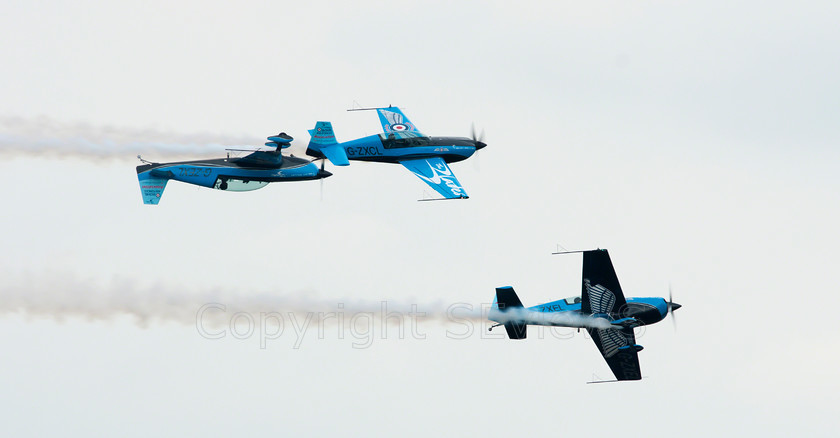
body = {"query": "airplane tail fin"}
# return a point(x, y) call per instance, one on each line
point(507, 300)
point(323, 145)
point(151, 187)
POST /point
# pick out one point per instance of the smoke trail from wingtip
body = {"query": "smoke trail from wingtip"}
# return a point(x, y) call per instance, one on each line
point(43, 136)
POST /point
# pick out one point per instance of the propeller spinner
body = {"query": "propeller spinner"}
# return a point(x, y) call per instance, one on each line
point(479, 141)
point(672, 306)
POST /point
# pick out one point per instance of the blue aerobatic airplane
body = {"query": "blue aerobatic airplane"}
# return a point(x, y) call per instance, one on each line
point(601, 309)
point(250, 172)
point(403, 143)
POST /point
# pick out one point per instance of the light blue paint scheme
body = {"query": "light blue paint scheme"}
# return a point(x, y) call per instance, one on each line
point(393, 120)
point(372, 148)
point(336, 154)
point(151, 188)
point(251, 172)
point(401, 143)
point(281, 140)
point(660, 303)
point(608, 316)
point(564, 305)
point(323, 140)
point(322, 134)
point(438, 175)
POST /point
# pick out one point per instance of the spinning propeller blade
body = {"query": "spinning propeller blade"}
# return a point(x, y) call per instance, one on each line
point(479, 144)
point(478, 140)
point(321, 181)
point(672, 306)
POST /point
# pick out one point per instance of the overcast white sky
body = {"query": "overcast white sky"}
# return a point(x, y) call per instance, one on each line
point(698, 143)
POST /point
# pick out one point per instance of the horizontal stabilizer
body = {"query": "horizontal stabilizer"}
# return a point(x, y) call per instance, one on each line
point(336, 154)
point(281, 138)
point(280, 141)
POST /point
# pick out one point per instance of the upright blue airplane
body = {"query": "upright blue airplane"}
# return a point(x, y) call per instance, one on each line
point(251, 172)
point(403, 143)
point(601, 309)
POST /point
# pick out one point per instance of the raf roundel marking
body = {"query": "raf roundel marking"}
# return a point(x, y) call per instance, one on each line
point(399, 127)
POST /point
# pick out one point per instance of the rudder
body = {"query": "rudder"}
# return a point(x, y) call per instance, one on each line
point(323, 145)
point(322, 135)
point(151, 188)
point(507, 300)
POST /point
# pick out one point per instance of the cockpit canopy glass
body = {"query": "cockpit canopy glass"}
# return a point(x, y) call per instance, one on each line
point(238, 185)
point(403, 140)
point(572, 300)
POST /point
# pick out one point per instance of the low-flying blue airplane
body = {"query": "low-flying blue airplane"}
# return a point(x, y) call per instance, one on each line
point(403, 143)
point(601, 309)
point(250, 172)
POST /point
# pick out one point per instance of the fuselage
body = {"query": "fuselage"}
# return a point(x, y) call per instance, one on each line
point(385, 148)
point(648, 310)
point(251, 172)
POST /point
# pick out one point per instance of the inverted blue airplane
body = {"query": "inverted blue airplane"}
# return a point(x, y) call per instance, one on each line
point(403, 143)
point(601, 309)
point(250, 172)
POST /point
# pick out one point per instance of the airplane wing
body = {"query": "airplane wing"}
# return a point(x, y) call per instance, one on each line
point(619, 350)
point(393, 120)
point(438, 175)
point(600, 292)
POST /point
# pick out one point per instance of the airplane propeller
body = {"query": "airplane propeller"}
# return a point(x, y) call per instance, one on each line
point(478, 140)
point(672, 306)
point(321, 181)
point(479, 144)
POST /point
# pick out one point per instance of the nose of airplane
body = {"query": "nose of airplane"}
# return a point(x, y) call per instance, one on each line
point(324, 173)
point(675, 306)
point(479, 145)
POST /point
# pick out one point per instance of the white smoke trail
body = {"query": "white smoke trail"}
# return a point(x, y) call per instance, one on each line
point(61, 297)
point(43, 136)
point(558, 319)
